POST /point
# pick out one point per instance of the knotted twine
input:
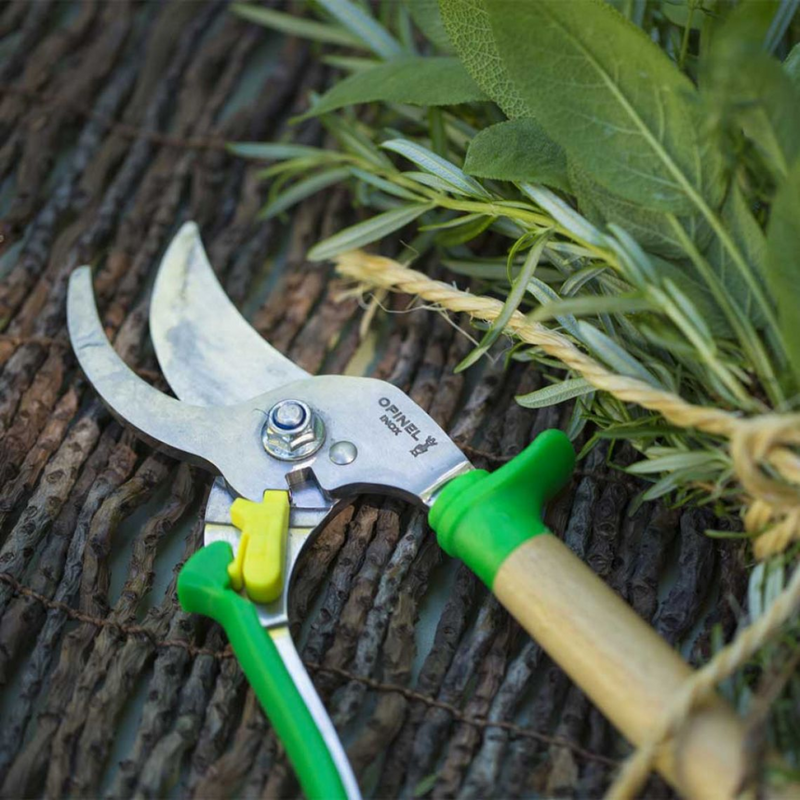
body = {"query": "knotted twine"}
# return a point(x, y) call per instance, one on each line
point(760, 447)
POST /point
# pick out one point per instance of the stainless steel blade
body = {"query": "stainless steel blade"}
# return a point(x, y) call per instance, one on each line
point(208, 352)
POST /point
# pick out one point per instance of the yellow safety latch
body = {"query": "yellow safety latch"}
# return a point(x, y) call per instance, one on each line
point(258, 565)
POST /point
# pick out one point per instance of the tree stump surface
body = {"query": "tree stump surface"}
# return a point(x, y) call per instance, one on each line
point(113, 119)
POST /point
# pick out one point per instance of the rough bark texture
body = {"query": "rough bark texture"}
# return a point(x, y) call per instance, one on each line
point(113, 119)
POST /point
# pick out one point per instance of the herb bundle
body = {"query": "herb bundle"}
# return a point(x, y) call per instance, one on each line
point(638, 169)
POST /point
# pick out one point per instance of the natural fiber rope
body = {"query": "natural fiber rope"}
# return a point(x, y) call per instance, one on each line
point(754, 443)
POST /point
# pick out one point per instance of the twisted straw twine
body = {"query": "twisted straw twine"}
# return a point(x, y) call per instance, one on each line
point(757, 442)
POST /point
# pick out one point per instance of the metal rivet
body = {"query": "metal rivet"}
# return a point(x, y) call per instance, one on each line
point(343, 453)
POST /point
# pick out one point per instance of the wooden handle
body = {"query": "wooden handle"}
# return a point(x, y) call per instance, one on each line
point(621, 663)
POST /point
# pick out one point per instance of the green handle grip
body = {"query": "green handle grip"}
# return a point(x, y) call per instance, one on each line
point(482, 518)
point(204, 587)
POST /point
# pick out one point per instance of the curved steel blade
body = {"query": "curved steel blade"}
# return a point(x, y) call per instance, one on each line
point(208, 352)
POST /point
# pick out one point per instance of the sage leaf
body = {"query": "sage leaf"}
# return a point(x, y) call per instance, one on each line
point(428, 19)
point(438, 166)
point(783, 266)
point(556, 393)
point(295, 26)
point(518, 150)
point(467, 25)
point(436, 81)
point(367, 232)
point(650, 228)
point(759, 98)
point(302, 189)
point(369, 32)
point(607, 94)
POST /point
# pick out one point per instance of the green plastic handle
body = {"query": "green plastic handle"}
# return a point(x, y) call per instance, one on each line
point(482, 518)
point(204, 587)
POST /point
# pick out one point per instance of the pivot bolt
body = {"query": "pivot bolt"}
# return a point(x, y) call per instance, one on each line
point(292, 431)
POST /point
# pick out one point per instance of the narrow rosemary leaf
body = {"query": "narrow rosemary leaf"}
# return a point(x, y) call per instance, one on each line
point(608, 351)
point(452, 237)
point(428, 19)
point(438, 166)
point(433, 182)
point(295, 26)
point(353, 140)
point(274, 151)
point(673, 461)
point(792, 66)
point(434, 81)
point(590, 305)
point(359, 22)
point(546, 295)
point(302, 189)
point(385, 186)
point(350, 63)
point(579, 279)
point(463, 219)
point(510, 305)
point(564, 214)
point(556, 393)
point(368, 231)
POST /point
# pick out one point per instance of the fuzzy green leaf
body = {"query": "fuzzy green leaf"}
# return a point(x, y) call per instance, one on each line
point(649, 227)
point(518, 150)
point(367, 232)
point(358, 21)
point(295, 26)
point(745, 85)
point(783, 266)
point(467, 25)
point(436, 81)
point(556, 393)
point(438, 166)
point(607, 94)
point(302, 189)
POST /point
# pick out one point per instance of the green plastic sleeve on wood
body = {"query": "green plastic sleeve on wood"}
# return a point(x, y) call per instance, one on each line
point(204, 587)
point(481, 517)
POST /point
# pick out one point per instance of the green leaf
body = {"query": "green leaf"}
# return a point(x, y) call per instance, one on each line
point(746, 232)
point(359, 22)
point(385, 186)
point(750, 90)
point(556, 393)
point(518, 150)
point(436, 81)
point(606, 93)
point(673, 461)
point(367, 232)
point(590, 305)
point(783, 264)
point(428, 19)
point(438, 166)
point(616, 357)
point(274, 151)
point(792, 66)
point(651, 229)
point(518, 288)
point(467, 25)
point(302, 189)
point(295, 26)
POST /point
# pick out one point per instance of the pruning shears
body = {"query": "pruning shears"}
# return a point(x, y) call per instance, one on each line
point(290, 449)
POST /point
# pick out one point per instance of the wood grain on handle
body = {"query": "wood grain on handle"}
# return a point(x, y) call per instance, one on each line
point(621, 663)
